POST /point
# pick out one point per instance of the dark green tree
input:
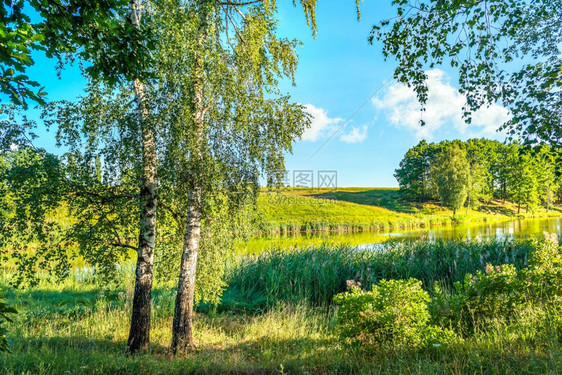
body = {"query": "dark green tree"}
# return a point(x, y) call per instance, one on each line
point(451, 175)
point(544, 161)
point(413, 173)
point(480, 184)
point(523, 181)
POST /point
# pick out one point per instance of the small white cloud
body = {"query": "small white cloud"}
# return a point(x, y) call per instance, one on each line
point(356, 135)
point(13, 147)
point(444, 106)
point(321, 124)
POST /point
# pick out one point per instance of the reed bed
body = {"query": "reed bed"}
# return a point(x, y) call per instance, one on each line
point(314, 275)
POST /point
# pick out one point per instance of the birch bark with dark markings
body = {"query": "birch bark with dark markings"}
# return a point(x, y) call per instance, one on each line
point(182, 330)
point(139, 334)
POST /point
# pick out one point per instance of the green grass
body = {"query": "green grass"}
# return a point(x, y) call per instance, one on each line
point(81, 326)
point(363, 209)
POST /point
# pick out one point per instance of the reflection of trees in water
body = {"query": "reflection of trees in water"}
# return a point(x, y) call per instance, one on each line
point(501, 230)
point(475, 232)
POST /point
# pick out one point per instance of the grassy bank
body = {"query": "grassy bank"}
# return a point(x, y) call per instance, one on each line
point(276, 317)
point(363, 209)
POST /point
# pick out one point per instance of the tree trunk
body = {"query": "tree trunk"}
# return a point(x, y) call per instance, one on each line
point(139, 334)
point(504, 192)
point(467, 203)
point(182, 330)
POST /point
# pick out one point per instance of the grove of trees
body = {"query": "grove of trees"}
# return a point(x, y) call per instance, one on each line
point(162, 153)
point(463, 174)
point(183, 113)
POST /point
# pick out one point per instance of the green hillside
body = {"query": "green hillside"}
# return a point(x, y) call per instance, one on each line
point(356, 209)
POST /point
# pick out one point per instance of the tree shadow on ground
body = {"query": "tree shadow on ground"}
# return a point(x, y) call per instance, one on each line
point(497, 209)
point(73, 304)
point(81, 355)
point(263, 355)
point(385, 198)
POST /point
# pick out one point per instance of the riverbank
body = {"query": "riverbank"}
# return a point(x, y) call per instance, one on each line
point(289, 324)
point(370, 209)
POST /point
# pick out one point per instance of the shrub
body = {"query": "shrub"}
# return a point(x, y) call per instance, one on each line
point(480, 298)
point(543, 277)
point(393, 315)
point(501, 293)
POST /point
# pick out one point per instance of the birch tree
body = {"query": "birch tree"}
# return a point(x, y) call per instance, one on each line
point(139, 334)
point(231, 121)
point(111, 37)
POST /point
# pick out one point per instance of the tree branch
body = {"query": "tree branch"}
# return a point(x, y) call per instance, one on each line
point(118, 244)
point(243, 3)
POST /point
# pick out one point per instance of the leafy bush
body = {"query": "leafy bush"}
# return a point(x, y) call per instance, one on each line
point(543, 277)
point(480, 298)
point(394, 314)
point(501, 293)
point(4, 311)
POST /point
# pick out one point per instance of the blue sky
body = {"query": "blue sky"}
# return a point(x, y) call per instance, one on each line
point(338, 72)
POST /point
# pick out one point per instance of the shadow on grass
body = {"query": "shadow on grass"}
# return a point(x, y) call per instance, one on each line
point(79, 355)
point(84, 345)
point(266, 355)
point(384, 198)
point(75, 304)
point(497, 210)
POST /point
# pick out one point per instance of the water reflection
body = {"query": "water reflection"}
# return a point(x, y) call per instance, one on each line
point(470, 232)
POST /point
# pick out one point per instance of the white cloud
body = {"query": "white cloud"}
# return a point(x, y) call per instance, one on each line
point(444, 106)
point(323, 126)
point(13, 147)
point(356, 135)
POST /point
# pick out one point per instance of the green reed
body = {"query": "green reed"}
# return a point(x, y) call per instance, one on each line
point(315, 275)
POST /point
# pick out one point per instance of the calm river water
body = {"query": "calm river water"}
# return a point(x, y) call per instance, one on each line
point(471, 232)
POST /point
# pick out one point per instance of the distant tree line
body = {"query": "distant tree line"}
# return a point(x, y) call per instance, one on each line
point(464, 174)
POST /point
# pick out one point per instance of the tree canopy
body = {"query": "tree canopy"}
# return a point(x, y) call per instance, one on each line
point(189, 133)
point(506, 51)
point(94, 31)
